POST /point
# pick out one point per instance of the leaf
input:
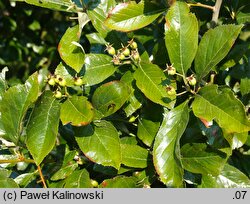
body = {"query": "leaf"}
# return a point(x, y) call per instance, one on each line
point(119, 182)
point(134, 156)
point(65, 73)
point(198, 158)
point(76, 110)
point(100, 143)
point(15, 102)
point(244, 86)
point(236, 140)
point(43, 127)
point(181, 36)
point(131, 16)
point(151, 80)
point(166, 150)
point(60, 5)
point(230, 177)
point(98, 67)
point(64, 172)
point(135, 99)
point(149, 123)
point(212, 103)
point(78, 179)
point(6, 182)
point(71, 54)
point(97, 14)
point(109, 97)
point(243, 16)
point(214, 46)
point(23, 180)
point(96, 38)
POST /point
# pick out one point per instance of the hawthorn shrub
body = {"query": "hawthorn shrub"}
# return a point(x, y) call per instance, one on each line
point(145, 94)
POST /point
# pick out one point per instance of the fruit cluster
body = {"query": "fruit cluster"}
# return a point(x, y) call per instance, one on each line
point(191, 80)
point(59, 82)
point(122, 55)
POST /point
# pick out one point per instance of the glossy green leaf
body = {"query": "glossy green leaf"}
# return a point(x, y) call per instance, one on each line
point(129, 140)
point(149, 123)
point(134, 156)
point(151, 80)
point(214, 46)
point(23, 180)
point(110, 97)
point(236, 140)
point(100, 143)
point(135, 99)
point(147, 130)
point(64, 172)
point(244, 86)
point(4, 173)
point(15, 102)
point(5, 181)
point(166, 150)
point(181, 36)
point(98, 67)
point(97, 14)
point(213, 103)
point(60, 5)
point(71, 54)
point(131, 16)
point(230, 177)
point(65, 73)
point(8, 183)
point(77, 111)
point(43, 127)
point(78, 179)
point(119, 182)
point(96, 38)
point(198, 158)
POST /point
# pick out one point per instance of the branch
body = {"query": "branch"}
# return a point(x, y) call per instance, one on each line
point(41, 176)
point(216, 11)
point(202, 5)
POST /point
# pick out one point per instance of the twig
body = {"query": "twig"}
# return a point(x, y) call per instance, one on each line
point(41, 176)
point(202, 5)
point(216, 11)
point(6, 161)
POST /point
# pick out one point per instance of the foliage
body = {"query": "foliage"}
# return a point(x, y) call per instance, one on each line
point(139, 94)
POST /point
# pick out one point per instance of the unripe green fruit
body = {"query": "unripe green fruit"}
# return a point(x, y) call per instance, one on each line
point(111, 50)
point(52, 82)
point(121, 56)
point(62, 82)
point(126, 51)
point(133, 45)
point(171, 91)
point(94, 183)
point(58, 94)
point(132, 119)
point(171, 70)
point(78, 81)
point(191, 80)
